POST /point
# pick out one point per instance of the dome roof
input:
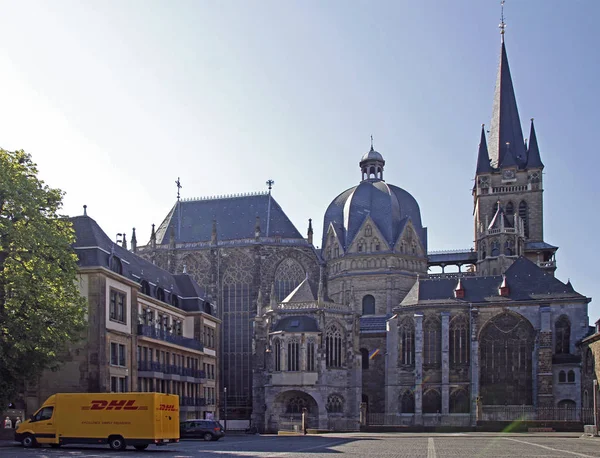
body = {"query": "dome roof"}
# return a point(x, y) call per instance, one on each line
point(390, 208)
point(372, 155)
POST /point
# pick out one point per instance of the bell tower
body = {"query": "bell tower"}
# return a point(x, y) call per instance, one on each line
point(508, 190)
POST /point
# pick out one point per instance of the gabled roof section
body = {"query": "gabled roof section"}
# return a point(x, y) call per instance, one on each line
point(483, 158)
point(525, 280)
point(304, 292)
point(506, 125)
point(533, 154)
point(192, 220)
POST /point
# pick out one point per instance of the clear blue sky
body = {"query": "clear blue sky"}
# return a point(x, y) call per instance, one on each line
point(116, 99)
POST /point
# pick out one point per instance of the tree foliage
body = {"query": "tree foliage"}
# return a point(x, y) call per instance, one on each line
point(41, 310)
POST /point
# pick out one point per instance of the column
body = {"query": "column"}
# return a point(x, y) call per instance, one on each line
point(418, 368)
point(445, 362)
point(475, 405)
point(545, 396)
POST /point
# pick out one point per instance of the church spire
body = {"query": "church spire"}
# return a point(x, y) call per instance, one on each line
point(533, 153)
point(483, 158)
point(506, 125)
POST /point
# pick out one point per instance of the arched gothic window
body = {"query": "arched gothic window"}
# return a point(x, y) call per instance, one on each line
point(288, 275)
point(310, 355)
point(459, 341)
point(571, 377)
point(368, 231)
point(586, 399)
point(562, 377)
point(562, 332)
point(483, 250)
point(407, 402)
point(368, 305)
point(509, 248)
point(336, 251)
point(510, 209)
point(277, 354)
point(459, 402)
point(524, 215)
point(589, 361)
point(296, 404)
point(432, 348)
point(361, 245)
point(335, 404)
point(333, 347)
point(432, 401)
point(407, 342)
point(293, 355)
point(364, 353)
point(495, 248)
point(506, 348)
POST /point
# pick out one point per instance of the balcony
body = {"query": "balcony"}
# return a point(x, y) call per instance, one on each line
point(152, 366)
point(154, 333)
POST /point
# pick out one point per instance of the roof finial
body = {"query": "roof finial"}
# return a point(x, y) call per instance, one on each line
point(85, 206)
point(270, 184)
point(178, 183)
point(502, 23)
point(372, 143)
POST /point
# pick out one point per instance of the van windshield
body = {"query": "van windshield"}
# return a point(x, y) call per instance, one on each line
point(45, 413)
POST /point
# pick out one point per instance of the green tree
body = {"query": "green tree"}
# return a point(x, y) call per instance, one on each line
point(41, 310)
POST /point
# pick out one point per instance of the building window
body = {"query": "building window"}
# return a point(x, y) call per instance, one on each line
point(510, 209)
point(407, 402)
point(296, 404)
point(368, 305)
point(117, 354)
point(293, 355)
point(571, 377)
point(459, 342)
point(432, 349)
point(589, 361)
point(459, 402)
point(335, 404)
point(365, 358)
point(145, 286)
point(368, 231)
point(277, 355)
point(310, 356)
point(115, 265)
point(407, 342)
point(523, 214)
point(432, 401)
point(118, 384)
point(160, 294)
point(562, 331)
point(495, 248)
point(288, 275)
point(117, 306)
point(333, 347)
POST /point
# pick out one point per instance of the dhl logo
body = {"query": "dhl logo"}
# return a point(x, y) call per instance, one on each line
point(168, 407)
point(125, 404)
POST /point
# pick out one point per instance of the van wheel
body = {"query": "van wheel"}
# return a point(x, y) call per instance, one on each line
point(141, 447)
point(117, 443)
point(29, 441)
point(208, 436)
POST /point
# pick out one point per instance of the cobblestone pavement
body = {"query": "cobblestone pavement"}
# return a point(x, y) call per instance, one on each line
point(372, 445)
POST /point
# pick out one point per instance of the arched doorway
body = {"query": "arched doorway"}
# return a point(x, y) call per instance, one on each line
point(287, 410)
point(506, 375)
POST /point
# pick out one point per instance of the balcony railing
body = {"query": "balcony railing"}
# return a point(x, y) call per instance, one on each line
point(151, 331)
point(189, 401)
point(152, 366)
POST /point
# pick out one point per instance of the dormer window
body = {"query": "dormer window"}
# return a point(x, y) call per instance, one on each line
point(116, 265)
point(160, 294)
point(174, 300)
point(145, 287)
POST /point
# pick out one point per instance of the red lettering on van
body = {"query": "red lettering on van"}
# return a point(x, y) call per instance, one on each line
point(98, 405)
point(168, 407)
point(125, 404)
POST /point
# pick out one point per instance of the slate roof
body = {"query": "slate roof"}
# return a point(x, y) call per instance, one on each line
point(483, 158)
point(373, 324)
point(192, 220)
point(300, 323)
point(539, 246)
point(506, 125)
point(389, 206)
point(533, 153)
point(526, 282)
point(452, 256)
point(95, 249)
point(306, 291)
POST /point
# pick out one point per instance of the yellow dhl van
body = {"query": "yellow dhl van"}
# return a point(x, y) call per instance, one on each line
point(116, 419)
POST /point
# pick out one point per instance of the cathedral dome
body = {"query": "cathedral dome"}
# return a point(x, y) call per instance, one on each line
point(390, 207)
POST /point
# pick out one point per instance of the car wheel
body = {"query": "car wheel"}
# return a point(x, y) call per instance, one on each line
point(141, 447)
point(208, 436)
point(29, 441)
point(117, 443)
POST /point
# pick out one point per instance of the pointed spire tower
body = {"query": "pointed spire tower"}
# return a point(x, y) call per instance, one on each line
point(508, 182)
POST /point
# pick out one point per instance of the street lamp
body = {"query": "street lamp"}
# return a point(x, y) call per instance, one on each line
point(595, 406)
point(225, 394)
